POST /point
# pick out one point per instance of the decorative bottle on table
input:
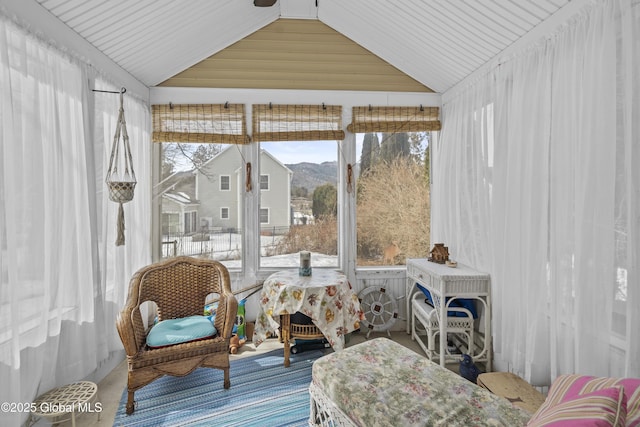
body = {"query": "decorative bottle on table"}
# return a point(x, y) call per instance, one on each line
point(305, 263)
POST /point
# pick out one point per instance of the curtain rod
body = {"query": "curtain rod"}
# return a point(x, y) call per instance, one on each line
point(123, 90)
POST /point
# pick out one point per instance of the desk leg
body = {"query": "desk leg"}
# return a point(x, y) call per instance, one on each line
point(285, 321)
point(488, 343)
point(408, 287)
point(443, 330)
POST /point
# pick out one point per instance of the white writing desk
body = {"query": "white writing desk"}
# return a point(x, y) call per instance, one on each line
point(447, 283)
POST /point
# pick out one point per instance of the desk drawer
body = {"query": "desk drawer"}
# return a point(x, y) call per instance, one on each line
point(465, 287)
point(459, 286)
point(419, 275)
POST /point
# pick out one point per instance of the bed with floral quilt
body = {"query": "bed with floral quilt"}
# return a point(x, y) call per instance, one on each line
point(382, 383)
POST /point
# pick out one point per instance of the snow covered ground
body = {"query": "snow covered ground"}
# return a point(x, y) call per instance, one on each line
point(226, 248)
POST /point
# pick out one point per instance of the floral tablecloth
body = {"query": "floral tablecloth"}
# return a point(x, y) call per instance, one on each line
point(325, 296)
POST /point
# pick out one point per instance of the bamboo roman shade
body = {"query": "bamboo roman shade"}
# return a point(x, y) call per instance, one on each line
point(200, 123)
point(297, 122)
point(394, 119)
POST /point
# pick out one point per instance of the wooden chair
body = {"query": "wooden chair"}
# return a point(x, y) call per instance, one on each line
point(179, 287)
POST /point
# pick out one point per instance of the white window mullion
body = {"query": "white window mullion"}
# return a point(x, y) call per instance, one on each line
point(346, 206)
point(250, 219)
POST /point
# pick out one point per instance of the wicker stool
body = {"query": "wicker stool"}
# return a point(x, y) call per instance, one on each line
point(291, 330)
point(68, 399)
point(513, 388)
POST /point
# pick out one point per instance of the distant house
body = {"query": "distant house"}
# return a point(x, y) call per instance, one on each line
point(179, 204)
point(210, 199)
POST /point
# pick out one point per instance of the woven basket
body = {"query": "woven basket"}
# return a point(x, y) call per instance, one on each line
point(121, 191)
point(305, 331)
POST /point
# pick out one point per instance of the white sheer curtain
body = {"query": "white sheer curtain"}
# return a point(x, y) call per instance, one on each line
point(61, 277)
point(534, 182)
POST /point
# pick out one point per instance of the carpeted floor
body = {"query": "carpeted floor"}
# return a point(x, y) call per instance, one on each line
point(263, 393)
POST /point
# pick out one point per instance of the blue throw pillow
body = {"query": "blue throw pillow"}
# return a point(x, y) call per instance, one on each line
point(458, 302)
point(177, 331)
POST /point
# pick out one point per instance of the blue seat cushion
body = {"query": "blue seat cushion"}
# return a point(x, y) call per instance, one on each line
point(177, 331)
point(458, 302)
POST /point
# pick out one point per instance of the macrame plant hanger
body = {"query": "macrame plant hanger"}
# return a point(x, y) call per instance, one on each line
point(121, 183)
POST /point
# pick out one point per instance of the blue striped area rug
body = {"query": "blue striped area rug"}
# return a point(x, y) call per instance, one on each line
point(263, 393)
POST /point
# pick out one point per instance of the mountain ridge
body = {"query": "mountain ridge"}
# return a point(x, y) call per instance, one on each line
point(311, 175)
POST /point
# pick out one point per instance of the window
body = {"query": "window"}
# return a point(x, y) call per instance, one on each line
point(202, 168)
point(298, 153)
point(201, 201)
point(299, 212)
point(264, 215)
point(264, 182)
point(392, 200)
point(170, 223)
point(300, 172)
point(392, 206)
point(224, 183)
point(190, 223)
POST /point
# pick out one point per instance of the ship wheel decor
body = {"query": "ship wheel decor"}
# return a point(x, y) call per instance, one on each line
point(379, 308)
point(121, 178)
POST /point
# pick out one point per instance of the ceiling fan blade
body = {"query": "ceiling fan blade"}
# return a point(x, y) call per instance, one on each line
point(264, 3)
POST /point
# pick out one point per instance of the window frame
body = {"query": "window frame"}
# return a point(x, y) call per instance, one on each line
point(222, 215)
point(228, 181)
point(268, 212)
point(268, 182)
point(247, 215)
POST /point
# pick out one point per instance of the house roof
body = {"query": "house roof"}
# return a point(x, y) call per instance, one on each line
point(435, 43)
point(179, 187)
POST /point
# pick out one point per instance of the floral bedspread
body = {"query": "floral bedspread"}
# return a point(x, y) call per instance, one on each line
point(382, 383)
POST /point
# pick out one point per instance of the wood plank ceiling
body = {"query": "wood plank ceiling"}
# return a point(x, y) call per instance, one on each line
point(296, 54)
point(437, 43)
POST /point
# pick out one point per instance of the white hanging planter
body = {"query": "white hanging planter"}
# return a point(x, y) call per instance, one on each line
point(121, 185)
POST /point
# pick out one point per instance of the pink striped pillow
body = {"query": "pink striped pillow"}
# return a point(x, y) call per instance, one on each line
point(567, 387)
point(606, 408)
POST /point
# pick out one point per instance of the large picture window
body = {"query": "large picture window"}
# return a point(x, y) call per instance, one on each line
point(200, 177)
point(201, 184)
point(298, 153)
point(300, 172)
point(392, 198)
point(302, 202)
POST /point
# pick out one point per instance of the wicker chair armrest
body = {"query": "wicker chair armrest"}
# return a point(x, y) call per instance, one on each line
point(226, 314)
point(126, 330)
point(129, 321)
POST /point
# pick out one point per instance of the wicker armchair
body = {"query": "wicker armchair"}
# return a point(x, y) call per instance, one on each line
point(179, 286)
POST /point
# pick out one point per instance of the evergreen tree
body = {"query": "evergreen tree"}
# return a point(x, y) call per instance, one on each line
point(370, 151)
point(375, 150)
point(402, 145)
point(325, 201)
point(395, 145)
point(427, 161)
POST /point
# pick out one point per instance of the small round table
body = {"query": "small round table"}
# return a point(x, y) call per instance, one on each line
point(325, 296)
point(68, 399)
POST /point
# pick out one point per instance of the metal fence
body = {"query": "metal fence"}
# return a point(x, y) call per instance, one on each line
point(218, 244)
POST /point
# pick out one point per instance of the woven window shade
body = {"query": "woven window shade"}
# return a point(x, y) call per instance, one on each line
point(297, 122)
point(200, 123)
point(394, 119)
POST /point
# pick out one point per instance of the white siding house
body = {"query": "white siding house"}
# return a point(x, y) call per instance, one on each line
point(220, 186)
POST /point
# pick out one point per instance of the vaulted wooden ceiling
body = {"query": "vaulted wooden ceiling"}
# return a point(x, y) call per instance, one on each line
point(296, 54)
point(434, 43)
